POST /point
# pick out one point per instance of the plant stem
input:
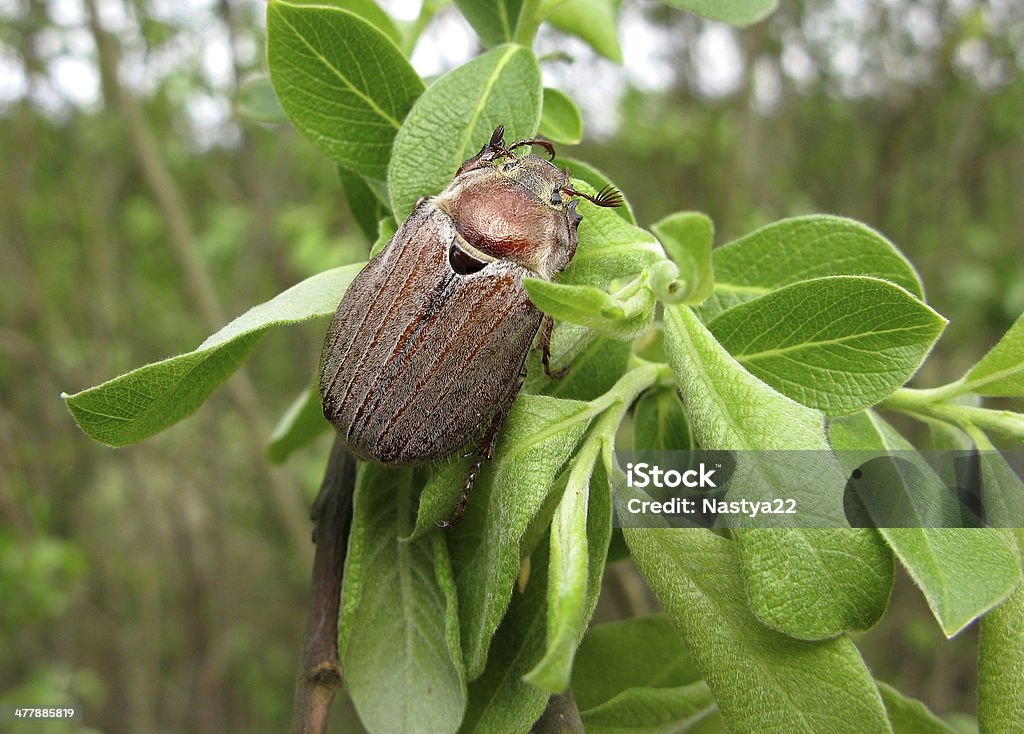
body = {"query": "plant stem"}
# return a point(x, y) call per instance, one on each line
point(924, 403)
point(319, 674)
point(629, 387)
point(530, 17)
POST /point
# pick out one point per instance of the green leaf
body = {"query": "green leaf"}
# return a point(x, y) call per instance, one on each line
point(1001, 371)
point(147, 400)
point(687, 238)
point(610, 247)
point(639, 652)
point(802, 248)
point(386, 229)
point(594, 308)
point(963, 572)
point(597, 180)
point(401, 652)
point(910, 716)
point(901, 490)
point(811, 583)
point(560, 120)
point(1001, 657)
point(568, 575)
point(257, 101)
point(536, 441)
point(651, 710)
point(493, 20)
point(298, 427)
point(368, 10)
point(816, 583)
point(344, 84)
point(762, 680)
point(659, 423)
point(500, 701)
point(595, 21)
point(457, 115)
point(730, 409)
point(839, 344)
point(595, 364)
point(734, 12)
point(364, 205)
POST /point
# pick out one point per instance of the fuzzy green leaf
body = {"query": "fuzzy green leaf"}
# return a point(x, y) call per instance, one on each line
point(363, 203)
point(299, 426)
point(639, 652)
point(659, 423)
point(401, 654)
point(763, 681)
point(802, 248)
point(149, 399)
point(733, 12)
point(368, 10)
point(687, 238)
point(594, 21)
point(386, 229)
point(560, 120)
point(839, 344)
point(258, 102)
point(962, 572)
point(1001, 657)
point(344, 84)
point(910, 716)
point(595, 364)
point(500, 701)
point(539, 437)
point(651, 710)
point(580, 530)
point(1001, 371)
point(493, 20)
point(816, 583)
point(812, 583)
point(1001, 645)
point(594, 308)
point(610, 247)
point(456, 116)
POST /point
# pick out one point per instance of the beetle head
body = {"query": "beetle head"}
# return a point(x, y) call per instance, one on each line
point(519, 208)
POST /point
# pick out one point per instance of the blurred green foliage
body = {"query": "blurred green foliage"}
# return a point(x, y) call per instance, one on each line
point(162, 587)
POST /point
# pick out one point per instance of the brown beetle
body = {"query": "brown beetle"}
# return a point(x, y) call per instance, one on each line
point(428, 347)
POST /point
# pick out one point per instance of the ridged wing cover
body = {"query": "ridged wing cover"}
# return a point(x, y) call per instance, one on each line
point(419, 359)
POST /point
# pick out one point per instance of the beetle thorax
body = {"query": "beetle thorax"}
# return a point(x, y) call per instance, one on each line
point(501, 211)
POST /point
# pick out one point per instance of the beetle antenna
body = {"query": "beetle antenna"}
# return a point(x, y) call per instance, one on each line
point(608, 196)
point(545, 144)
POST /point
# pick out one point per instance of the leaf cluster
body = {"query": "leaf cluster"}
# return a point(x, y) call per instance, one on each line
point(788, 338)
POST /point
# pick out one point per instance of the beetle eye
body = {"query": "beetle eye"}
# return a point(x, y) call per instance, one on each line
point(556, 198)
point(462, 262)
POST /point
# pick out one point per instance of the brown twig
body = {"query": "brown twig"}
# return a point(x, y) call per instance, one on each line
point(320, 672)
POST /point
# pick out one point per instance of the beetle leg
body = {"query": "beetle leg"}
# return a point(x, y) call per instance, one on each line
point(545, 346)
point(485, 450)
